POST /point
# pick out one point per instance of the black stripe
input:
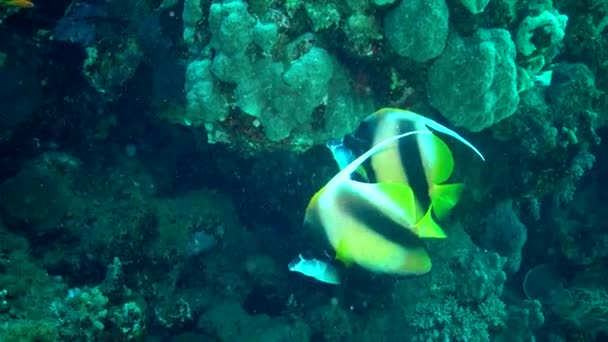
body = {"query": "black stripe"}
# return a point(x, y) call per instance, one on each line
point(409, 152)
point(362, 210)
point(319, 242)
point(411, 159)
point(360, 142)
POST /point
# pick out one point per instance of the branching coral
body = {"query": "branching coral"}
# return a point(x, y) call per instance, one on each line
point(552, 24)
point(451, 321)
point(586, 309)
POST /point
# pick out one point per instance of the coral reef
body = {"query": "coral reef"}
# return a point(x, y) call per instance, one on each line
point(157, 158)
point(483, 65)
point(418, 30)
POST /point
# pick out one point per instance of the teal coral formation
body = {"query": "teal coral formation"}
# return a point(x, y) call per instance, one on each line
point(483, 67)
point(250, 78)
point(504, 233)
point(475, 6)
point(283, 97)
point(450, 321)
point(228, 321)
point(463, 297)
point(418, 29)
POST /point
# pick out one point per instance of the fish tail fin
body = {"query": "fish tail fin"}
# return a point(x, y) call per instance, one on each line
point(428, 228)
point(444, 197)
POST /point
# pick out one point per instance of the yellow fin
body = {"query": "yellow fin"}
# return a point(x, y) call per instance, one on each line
point(437, 158)
point(444, 197)
point(428, 228)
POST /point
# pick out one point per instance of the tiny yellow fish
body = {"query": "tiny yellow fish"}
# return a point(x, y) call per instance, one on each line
point(17, 3)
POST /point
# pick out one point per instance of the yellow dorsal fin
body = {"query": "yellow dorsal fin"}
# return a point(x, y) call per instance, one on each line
point(428, 228)
point(444, 197)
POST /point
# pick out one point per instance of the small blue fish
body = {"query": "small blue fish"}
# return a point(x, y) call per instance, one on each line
point(344, 156)
point(315, 268)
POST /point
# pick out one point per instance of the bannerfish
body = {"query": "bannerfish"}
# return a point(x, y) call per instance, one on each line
point(373, 225)
point(423, 162)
